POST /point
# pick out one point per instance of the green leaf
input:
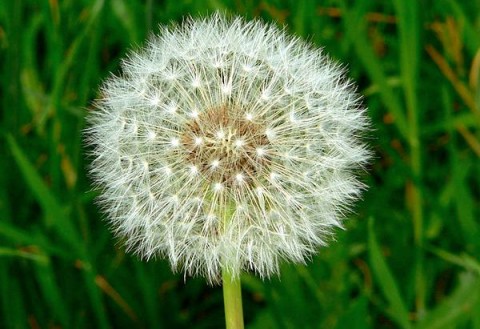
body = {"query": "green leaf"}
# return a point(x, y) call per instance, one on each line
point(51, 292)
point(464, 260)
point(264, 319)
point(19, 236)
point(388, 286)
point(43, 195)
point(455, 309)
point(14, 313)
point(123, 11)
point(35, 256)
point(356, 316)
point(55, 216)
point(355, 29)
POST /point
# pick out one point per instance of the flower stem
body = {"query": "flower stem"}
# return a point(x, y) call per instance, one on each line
point(232, 299)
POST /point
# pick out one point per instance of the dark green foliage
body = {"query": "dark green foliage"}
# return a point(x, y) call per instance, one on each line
point(409, 257)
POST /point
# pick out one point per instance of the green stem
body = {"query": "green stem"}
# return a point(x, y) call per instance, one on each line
point(232, 299)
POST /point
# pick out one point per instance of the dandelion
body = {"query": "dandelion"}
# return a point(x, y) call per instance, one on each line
point(227, 146)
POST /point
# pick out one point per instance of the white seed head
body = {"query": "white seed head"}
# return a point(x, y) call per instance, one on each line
point(198, 141)
point(227, 144)
point(215, 163)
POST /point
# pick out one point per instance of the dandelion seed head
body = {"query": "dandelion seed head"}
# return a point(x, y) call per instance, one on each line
point(151, 135)
point(174, 142)
point(227, 144)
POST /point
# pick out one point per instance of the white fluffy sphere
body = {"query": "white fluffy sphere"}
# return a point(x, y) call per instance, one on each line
point(227, 144)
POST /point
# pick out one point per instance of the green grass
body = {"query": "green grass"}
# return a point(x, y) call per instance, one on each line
point(409, 257)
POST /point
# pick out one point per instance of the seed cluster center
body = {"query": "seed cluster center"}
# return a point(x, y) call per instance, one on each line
point(226, 146)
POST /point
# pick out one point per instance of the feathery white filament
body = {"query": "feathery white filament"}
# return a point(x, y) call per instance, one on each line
point(227, 143)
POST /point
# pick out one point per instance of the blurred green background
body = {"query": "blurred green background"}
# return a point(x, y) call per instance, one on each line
point(409, 257)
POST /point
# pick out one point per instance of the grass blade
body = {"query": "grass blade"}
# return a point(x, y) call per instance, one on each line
point(46, 200)
point(51, 292)
point(55, 216)
point(398, 311)
point(356, 31)
point(457, 308)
